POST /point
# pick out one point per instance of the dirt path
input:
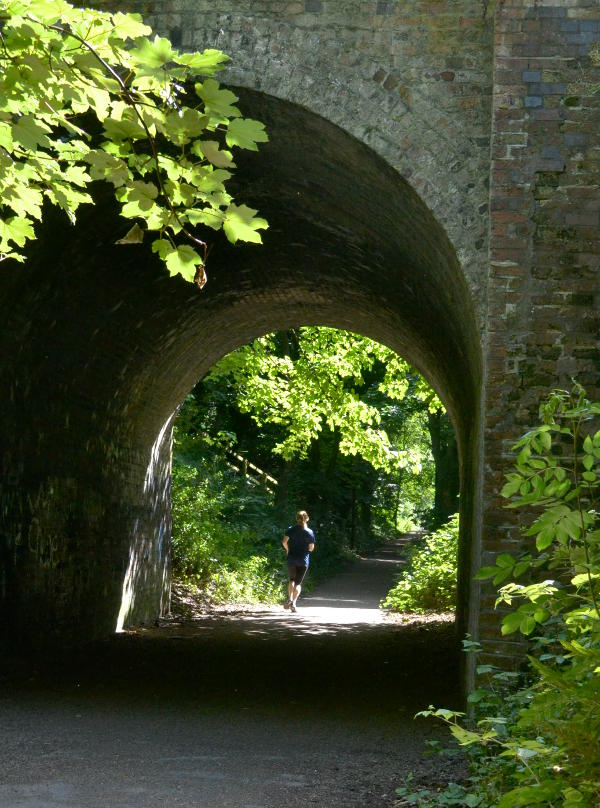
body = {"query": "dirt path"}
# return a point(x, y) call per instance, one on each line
point(250, 708)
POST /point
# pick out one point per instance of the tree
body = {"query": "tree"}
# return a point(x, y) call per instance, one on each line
point(350, 411)
point(85, 95)
point(445, 455)
point(338, 421)
point(314, 379)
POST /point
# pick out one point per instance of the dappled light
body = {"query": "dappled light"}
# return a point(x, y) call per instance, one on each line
point(346, 603)
point(269, 622)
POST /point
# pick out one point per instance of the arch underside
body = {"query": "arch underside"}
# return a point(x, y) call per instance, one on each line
point(104, 347)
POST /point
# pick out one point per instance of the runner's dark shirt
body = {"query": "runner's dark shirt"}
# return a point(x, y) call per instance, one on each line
point(299, 539)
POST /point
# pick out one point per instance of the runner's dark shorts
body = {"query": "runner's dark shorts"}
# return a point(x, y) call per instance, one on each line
point(296, 572)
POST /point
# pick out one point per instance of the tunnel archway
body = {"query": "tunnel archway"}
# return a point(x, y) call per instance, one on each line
point(111, 346)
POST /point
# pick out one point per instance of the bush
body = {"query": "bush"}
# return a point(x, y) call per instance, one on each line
point(428, 584)
point(540, 744)
point(225, 540)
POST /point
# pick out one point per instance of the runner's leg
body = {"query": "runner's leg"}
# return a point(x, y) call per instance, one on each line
point(298, 578)
point(291, 576)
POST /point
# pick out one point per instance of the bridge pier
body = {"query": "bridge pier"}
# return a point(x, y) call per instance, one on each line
point(391, 214)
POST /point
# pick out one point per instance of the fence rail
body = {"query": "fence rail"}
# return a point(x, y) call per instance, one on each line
point(253, 473)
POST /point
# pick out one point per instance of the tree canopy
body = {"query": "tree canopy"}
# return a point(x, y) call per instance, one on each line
point(316, 378)
point(87, 95)
point(341, 421)
point(341, 425)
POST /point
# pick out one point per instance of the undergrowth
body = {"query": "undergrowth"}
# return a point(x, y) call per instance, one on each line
point(227, 532)
point(534, 738)
point(223, 541)
point(428, 584)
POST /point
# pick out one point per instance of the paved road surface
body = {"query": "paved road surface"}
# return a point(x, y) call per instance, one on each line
point(241, 709)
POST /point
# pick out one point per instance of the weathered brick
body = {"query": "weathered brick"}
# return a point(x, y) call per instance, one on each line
point(547, 314)
point(576, 139)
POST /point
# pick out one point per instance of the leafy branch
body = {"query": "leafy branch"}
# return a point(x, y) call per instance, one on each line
point(546, 749)
point(64, 70)
point(320, 389)
point(567, 530)
point(200, 274)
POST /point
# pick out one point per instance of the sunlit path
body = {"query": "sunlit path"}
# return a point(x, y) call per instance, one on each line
point(349, 600)
point(353, 596)
point(200, 712)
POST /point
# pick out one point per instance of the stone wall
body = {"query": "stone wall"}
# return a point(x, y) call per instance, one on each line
point(102, 346)
point(411, 79)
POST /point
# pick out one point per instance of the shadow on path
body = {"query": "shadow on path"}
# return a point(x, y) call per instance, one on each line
point(240, 708)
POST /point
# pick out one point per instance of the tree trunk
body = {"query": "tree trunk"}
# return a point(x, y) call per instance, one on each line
point(445, 456)
point(353, 520)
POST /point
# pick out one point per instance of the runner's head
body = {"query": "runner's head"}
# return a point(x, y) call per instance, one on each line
point(302, 517)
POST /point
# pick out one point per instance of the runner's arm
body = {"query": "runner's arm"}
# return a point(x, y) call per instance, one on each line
point(286, 538)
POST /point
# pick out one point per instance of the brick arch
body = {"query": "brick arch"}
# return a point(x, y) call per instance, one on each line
point(73, 373)
point(111, 346)
point(411, 80)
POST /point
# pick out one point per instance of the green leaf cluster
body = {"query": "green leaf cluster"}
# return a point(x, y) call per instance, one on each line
point(87, 95)
point(317, 385)
point(545, 749)
point(428, 583)
point(259, 399)
point(453, 794)
point(223, 541)
point(558, 471)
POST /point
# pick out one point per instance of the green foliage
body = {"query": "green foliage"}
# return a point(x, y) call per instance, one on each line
point(404, 497)
point(223, 520)
point(453, 794)
point(540, 743)
point(428, 584)
point(348, 422)
point(289, 404)
point(86, 95)
point(567, 532)
point(222, 540)
point(316, 384)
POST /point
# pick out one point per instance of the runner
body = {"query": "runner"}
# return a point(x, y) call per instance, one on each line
point(299, 542)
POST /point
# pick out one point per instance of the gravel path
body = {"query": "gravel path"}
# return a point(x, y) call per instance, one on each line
point(239, 708)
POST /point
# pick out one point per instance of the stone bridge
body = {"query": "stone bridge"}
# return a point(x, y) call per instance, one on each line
point(431, 181)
